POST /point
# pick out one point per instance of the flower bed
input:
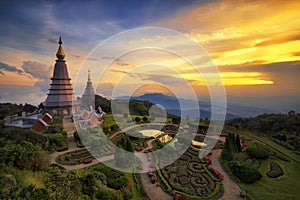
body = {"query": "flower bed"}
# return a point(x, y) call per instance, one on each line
point(74, 158)
point(275, 170)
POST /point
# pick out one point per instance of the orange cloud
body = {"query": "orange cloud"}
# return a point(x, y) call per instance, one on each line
point(278, 40)
point(235, 32)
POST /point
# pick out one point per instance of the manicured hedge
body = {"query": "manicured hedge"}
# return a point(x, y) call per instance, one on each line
point(257, 153)
point(245, 172)
point(189, 177)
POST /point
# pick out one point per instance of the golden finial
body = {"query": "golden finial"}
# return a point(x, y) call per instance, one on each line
point(89, 76)
point(60, 52)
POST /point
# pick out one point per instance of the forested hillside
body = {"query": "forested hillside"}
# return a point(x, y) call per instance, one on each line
point(284, 128)
point(136, 107)
point(12, 109)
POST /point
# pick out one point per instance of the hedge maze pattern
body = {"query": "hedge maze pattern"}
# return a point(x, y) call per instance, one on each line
point(187, 174)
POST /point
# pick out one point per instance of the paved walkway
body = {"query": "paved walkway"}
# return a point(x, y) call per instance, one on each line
point(231, 189)
point(149, 145)
point(153, 192)
point(70, 128)
point(95, 161)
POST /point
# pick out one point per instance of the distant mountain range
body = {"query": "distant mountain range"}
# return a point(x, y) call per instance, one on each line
point(171, 104)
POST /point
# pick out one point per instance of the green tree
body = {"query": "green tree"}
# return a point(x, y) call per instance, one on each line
point(24, 155)
point(175, 120)
point(232, 142)
point(28, 193)
point(61, 184)
point(129, 146)
point(122, 143)
point(227, 152)
point(238, 143)
point(114, 127)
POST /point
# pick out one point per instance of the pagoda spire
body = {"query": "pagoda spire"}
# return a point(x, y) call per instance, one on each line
point(60, 97)
point(88, 97)
point(89, 76)
point(60, 52)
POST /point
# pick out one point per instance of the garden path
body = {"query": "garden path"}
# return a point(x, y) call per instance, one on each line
point(153, 192)
point(69, 127)
point(231, 189)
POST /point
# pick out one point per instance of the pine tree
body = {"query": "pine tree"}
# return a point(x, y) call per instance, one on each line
point(123, 142)
point(238, 143)
point(129, 146)
point(233, 143)
point(227, 152)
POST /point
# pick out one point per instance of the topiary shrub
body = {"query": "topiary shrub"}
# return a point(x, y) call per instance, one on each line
point(114, 127)
point(244, 172)
point(145, 119)
point(257, 153)
point(137, 119)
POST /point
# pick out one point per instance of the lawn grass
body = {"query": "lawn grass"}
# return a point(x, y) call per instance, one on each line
point(136, 187)
point(266, 140)
point(108, 120)
point(32, 178)
point(281, 188)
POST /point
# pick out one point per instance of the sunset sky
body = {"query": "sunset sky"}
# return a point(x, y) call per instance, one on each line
point(254, 44)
